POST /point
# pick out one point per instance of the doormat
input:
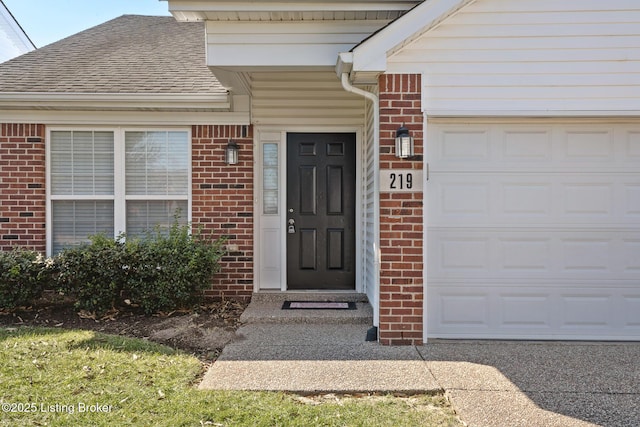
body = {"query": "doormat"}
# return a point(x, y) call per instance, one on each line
point(318, 305)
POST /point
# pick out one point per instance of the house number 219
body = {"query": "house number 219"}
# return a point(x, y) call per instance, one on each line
point(401, 180)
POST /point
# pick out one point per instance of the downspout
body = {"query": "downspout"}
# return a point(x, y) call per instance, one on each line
point(346, 84)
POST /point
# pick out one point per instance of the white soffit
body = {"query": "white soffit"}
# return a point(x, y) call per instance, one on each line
point(269, 10)
point(11, 30)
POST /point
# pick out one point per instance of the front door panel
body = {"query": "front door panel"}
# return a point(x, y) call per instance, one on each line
point(321, 178)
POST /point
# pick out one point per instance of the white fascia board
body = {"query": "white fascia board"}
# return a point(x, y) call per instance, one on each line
point(124, 101)
point(124, 118)
point(241, 45)
point(371, 54)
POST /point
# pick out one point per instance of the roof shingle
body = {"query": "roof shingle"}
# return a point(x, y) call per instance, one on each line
point(130, 54)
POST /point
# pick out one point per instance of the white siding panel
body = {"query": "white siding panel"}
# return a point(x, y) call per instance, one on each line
point(522, 6)
point(303, 98)
point(370, 238)
point(530, 55)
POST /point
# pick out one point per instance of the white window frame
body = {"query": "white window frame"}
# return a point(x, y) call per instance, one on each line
point(119, 196)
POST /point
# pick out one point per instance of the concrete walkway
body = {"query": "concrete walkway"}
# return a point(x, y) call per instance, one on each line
point(490, 383)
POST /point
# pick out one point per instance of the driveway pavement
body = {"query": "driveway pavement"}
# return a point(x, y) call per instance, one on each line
point(489, 383)
point(497, 383)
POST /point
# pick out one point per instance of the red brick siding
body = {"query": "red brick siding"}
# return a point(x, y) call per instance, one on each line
point(22, 186)
point(223, 203)
point(401, 217)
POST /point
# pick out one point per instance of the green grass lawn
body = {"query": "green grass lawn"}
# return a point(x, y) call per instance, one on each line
point(53, 377)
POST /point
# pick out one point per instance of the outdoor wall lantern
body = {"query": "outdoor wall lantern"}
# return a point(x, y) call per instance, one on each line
point(404, 143)
point(231, 153)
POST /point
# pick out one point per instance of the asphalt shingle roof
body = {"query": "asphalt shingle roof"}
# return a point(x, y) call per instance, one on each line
point(130, 54)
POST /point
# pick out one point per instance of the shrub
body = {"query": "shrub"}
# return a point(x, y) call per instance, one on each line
point(93, 273)
point(23, 276)
point(163, 271)
point(169, 270)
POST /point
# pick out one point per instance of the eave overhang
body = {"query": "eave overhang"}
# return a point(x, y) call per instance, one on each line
point(368, 59)
point(278, 11)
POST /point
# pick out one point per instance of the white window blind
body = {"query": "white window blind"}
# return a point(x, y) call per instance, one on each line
point(82, 186)
point(157, 163)
point(157, 179)
point(145, 215)
point(270, 178)
point(74, 221)
point(82, 163)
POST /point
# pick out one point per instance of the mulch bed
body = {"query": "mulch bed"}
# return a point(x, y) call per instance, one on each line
point(202, 331)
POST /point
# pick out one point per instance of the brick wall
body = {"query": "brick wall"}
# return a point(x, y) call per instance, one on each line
point(223, 203)
point(22, 186)
point(401, 217)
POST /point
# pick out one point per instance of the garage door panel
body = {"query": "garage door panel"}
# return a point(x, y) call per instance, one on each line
point(632, 199)
point(551, 147)
point(464, 309)
point(485, 199)
point(524, 197)
point(588, 198)
point(464, 145)
point(587, 145)
point(501, 312)
point(587, 310)
point(631, 311)
point(630, 259)
point(525, 310)
point(465, 199)
point(533, 230)
point(525, 145)
point(632, 146)
point(541, 253)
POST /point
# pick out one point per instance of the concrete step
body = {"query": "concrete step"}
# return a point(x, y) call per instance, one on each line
point(278, 296)
point(272, 312)
point(301, 334)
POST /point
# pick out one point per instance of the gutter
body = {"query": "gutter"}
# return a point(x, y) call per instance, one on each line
point(115, 101)
point(343, 68)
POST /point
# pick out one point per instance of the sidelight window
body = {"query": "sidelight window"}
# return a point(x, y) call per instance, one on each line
point(270, 178)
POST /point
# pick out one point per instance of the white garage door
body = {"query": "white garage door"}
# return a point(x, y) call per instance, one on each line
point(533, 230)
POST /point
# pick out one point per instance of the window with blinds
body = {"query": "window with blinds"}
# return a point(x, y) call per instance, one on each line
point(270, 178)
point(116, 180)
point(82, 186)
point(157, 179)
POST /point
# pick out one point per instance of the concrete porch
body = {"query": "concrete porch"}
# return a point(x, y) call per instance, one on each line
point(266, 307)
point(310, 351)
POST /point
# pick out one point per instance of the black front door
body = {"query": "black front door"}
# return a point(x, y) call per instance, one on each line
point(321, 196)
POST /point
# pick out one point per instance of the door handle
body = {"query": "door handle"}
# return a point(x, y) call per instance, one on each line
point(292, 226)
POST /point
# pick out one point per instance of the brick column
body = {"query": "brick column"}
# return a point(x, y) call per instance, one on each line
point(401, 217)
point(22, 186)
point(223, 203)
